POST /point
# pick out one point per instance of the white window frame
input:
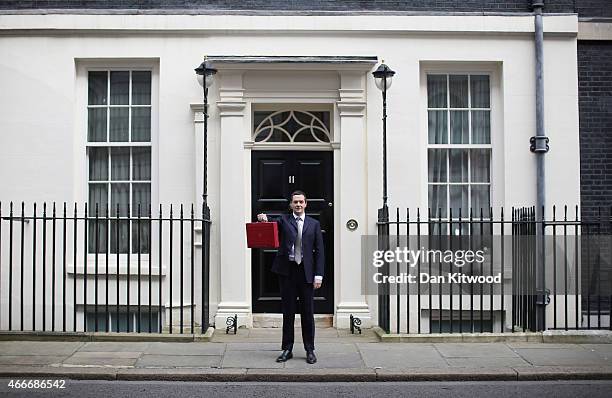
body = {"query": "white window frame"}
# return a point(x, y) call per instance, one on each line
point(81, 176)
point(496, 177)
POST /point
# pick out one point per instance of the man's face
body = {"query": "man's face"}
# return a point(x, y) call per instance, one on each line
point(298, 204)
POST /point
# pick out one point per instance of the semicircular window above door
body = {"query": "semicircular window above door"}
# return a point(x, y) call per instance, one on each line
point(291, 126)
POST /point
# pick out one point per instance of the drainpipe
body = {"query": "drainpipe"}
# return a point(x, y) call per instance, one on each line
point(539, 146)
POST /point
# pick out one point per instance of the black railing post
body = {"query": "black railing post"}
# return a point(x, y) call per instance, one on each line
point(191, 287)
point(64, 271)
point(139, 265)
point(34, 269)
point(10, 275)
point(96, 267)
point(85, 252)
point(107, 252)
point(44, 266)
point(205, 267)
point(181, 271)
point(74, 267)
point(150, 246)
point(159, 269)
point(170, 307)
point(383, 288)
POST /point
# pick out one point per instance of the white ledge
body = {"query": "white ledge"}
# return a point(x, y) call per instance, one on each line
point(352, 24)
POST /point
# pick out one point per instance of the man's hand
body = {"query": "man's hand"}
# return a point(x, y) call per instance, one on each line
point(316, 285)
point(262, 217)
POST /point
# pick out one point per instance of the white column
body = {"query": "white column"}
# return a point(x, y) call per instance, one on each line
point(353, 199)
point(235, 276)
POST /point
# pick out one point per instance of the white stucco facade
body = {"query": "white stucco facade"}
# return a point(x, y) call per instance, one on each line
point(44, 61)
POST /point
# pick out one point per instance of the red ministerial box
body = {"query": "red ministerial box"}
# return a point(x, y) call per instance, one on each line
point(262, 235)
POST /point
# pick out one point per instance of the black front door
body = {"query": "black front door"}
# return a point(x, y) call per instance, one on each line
point(275, 174)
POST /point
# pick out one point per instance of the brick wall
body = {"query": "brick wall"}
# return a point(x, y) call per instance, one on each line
point(595, 104)
point(594, 8)
point(300, 5)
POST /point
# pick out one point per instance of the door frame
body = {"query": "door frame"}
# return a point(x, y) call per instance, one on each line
point(333, 146)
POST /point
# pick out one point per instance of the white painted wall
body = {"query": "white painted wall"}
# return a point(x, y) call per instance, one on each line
point(42, 94)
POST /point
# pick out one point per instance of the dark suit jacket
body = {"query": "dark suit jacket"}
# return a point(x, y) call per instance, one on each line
point(313, 254)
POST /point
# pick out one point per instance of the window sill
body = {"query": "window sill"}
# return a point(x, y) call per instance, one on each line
point(123, 269)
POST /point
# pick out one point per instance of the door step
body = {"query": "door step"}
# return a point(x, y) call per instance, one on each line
point(276, 320)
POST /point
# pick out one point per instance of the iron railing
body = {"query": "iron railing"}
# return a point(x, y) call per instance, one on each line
point(576, 268)
point(83, 269)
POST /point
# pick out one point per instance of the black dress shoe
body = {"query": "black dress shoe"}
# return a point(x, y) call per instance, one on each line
point(284, 356)
point(310, 357)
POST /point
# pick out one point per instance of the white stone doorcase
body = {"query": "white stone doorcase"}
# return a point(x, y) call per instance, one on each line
point(242, 86)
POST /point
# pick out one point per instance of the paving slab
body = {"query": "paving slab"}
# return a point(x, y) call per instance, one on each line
point(486, 362)
point(544, 346)
point(326, 360)
point(179, 361)
point(56, 348)
point(102, 362)
point(253, 346)
point(96, 354)
point(561, 357)
point(400, 357)
point(331, 347)
point(272, 332)
point(474, 350)
point(185, 348)
point(31, 359)
point(112, 346)
point(255, 359)
point(607, 348)
point(221, 336)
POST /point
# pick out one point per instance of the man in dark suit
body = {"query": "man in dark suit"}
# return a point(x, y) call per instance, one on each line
point(299, 264)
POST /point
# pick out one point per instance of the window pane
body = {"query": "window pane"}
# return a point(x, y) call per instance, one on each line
point(141, 164)
point(100, 228)
point(481, 127)
point(436, 91)
point(141, 195)
point(438, 133)
point(98, 164)
point(480, 165)
point(141, 88)
point(98, 193)
point(141, 124)
point(119, 236)
point(120, 195)
point(120, 164)
point(458, 85)
point(90, 323)
point(460, 130)
point(119, 88)
point(437, 200)
point(97, 88)
point(480, 199)
point(119, 124)
point(436, 159)
point(480, 91)
point(458, 159)
point(459, 200)
point(96, 125)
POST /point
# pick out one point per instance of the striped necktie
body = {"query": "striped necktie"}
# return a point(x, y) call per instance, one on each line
point(298, 241)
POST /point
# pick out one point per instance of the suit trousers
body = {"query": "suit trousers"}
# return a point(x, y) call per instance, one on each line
point(292, 286)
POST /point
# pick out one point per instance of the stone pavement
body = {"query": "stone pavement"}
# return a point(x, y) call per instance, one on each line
point(250, 356)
